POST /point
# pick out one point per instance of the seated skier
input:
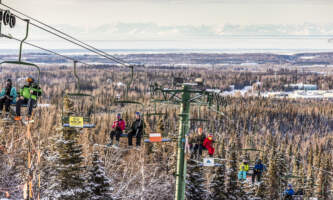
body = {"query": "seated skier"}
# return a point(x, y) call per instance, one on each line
point(28, 95)
point(136, 130)
point(208, 144)
point(198, 142)
point(7, 96)
point(118, 128)
point(243, 169)
point(257, 171)
point(289, 193)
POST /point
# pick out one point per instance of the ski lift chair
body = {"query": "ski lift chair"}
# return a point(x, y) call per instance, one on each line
point(124, 102)
point(10, 19)
point(156, 137)
point(27, 65)
point(77, 119)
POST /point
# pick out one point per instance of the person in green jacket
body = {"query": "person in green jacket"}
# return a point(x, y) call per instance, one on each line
point(28, 95)
point(7, 96)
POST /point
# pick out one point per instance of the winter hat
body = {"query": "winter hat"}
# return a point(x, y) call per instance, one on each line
point(289, 185)
point(137, 113)
point(118, 115)
point(30, 80)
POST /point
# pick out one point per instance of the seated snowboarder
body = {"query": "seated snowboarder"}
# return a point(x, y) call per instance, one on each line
point(243, 169)
point(289, 193)
point(136, 130)
point(7, 96)
point(28, 95)
point(257, 171)
point(118, 128)
point(198, 140)
point(208, 144)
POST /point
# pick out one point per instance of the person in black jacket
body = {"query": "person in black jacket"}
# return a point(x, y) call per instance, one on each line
point(199, 140)
point(136, 130)
point(7, 96)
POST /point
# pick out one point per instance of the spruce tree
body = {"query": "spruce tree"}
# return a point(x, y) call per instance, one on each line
point(232, 188)
point(282, 169)
point(310, 182)
point(301, 181)
point(218, 184)
point(195, 182)
point(324, 180)
point(68, 175)
point(99, 183)
point(261, 189)
point(273, 179)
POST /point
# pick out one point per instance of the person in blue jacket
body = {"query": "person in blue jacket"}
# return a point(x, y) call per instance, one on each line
point(288, 193)
point(257, 171)
point(7, 96)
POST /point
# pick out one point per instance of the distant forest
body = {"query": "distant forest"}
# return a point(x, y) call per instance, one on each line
point(292, 138)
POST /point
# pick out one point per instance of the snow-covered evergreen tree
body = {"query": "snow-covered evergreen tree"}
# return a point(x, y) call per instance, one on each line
point(232, 188)
point(261, 189)
point(67, 180)
point(273, 179)
point(310, 182)
point(324, 179)
point(99, 183)
point(195, 182)
point(218, 184)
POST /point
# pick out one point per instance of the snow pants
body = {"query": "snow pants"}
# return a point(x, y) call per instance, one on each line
point(258, 174)
point(5, 102)
point(242, 175)
point(116, 133)
point(30, 102)
point(134, 134)
point(198, 148)
point(211, 150)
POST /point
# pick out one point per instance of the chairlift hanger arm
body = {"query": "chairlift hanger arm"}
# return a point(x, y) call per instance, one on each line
point(43, 49)
point(76, 76)
point(20, 62)
point(24, 64)
point(67, 37)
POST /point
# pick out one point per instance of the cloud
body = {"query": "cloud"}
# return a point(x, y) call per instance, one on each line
point(214, 1)
point(154, 31)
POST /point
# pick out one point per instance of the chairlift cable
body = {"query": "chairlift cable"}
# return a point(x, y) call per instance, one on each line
point(59, 31)
point(50, 51)
point(76, 41)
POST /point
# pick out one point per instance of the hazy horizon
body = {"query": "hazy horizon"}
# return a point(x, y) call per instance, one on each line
point(298, 25)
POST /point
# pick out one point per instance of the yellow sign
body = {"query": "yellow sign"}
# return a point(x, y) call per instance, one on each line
point(76, 122)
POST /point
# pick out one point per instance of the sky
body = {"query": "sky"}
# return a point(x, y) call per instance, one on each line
point(194, 21)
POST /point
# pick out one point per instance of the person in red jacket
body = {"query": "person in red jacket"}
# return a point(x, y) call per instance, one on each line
point(208, 144)
point(118, 128)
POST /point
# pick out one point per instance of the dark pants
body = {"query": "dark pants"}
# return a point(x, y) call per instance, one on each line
point(198, 148)
point(133, 134)
point(258, 174)
point(30, 102)
point(5, 102)
point(116, 133)
point(288, 197)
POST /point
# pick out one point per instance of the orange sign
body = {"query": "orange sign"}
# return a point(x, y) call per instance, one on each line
point(155, 137)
